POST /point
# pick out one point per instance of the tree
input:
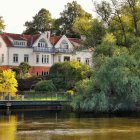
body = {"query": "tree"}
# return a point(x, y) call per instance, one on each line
point(8, 83)
point(65, 74)
point(133, 9)
point(41, 22)
point(96, 33)
point(22, 70)
point(68, 16)
point(45, 85)
point(104, 10)
point(82, 25)
point(2, 26)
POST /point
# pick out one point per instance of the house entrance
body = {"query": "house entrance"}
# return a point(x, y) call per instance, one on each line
point(66, 58)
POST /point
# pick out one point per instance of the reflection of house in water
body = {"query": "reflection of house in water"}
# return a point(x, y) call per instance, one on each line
point(8, 127)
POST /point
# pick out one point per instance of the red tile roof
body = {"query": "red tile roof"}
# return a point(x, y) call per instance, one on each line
point(29, 38)
point(75, 40)
point(32, 38)
point(54, 39)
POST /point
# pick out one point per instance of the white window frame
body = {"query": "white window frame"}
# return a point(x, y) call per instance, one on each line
point(37, 58)
point(26, 58)
point(15, 58)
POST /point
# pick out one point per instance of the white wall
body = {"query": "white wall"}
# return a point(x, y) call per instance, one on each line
point(62, 57)
point(32, 56)
point(20, 51)
point(3, 50)
point(83, 55)
point(40, 59)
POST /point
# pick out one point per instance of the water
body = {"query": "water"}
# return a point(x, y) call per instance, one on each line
point(67, 126)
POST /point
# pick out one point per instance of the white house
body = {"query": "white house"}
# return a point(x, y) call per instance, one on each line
point(41, 51)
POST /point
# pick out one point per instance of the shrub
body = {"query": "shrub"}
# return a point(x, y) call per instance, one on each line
point(45, 85)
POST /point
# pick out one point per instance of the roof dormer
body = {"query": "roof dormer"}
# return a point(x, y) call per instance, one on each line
point(20, 43)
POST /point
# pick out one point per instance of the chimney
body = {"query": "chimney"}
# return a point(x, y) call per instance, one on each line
point(48, 34)
point(83, 37)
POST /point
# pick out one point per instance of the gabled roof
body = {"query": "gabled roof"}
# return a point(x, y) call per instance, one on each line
point(29, 38)
point(32, 38)
point(55, 39)
point(75, 40)
point(6, 40)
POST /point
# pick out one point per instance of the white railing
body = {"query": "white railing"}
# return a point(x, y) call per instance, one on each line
point(53, 50)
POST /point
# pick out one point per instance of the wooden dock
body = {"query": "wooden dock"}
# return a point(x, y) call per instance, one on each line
point(48, 105)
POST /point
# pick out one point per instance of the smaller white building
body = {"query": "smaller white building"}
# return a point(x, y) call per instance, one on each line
point(41, 51)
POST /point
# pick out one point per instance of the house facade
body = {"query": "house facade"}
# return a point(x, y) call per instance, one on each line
point(41, 51)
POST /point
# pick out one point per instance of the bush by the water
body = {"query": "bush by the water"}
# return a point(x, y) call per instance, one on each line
point(65, 74)
point(45, 85)
point(115, 84)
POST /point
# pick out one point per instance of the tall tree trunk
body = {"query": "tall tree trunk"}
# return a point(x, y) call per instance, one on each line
point(132, 5)
point(117, 12)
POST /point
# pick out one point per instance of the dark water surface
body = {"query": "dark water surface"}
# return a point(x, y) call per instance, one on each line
point(67, 126)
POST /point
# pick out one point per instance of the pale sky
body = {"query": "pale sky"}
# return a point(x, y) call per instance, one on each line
point(16, 12)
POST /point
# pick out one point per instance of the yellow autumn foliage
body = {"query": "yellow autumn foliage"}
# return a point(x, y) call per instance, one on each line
point(8, 83)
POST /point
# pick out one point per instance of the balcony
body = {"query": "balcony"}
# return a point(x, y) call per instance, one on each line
point(59, 50)
point(37, 49)
point(53, 50)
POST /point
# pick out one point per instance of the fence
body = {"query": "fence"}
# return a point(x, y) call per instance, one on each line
point(31, 95)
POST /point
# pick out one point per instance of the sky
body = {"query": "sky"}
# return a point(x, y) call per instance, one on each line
point(16, 12)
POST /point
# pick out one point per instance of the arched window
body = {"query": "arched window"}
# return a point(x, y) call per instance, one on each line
point(64, 45)
point(42, 43)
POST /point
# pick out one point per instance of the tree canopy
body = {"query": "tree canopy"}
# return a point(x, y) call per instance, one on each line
point(41, 22)
point(8, 83)
point(68, 16)
point(22, 70)
point(65, 74)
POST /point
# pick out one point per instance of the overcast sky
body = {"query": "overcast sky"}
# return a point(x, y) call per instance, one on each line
point(16, 12)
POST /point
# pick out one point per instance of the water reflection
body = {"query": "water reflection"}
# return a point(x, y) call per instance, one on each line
point(8, 127)
point(67, 126)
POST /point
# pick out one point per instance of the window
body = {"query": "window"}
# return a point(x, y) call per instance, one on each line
point(2, 58)
point(64, 45)
point(45, 58)
point(37, 58)
point(87, 61)
point(78, 59)
point(37, 73)
point(45, 73)
point(66, 58)
point(59, 58)
point(42, 73)
point(26, 58)
point(42, 43)
point(15, 58)
point(20, 43)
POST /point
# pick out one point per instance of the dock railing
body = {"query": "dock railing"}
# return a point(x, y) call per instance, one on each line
point(36, 96)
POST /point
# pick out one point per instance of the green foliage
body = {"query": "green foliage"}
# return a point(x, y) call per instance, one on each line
point(66, 74)
point(82, 25)
point(41, 22)
point(96, 33)
point(114, 86)
point(45, 85)
point(115, 81)
point(8, 83)
point(68, 16)
point(22, 70)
